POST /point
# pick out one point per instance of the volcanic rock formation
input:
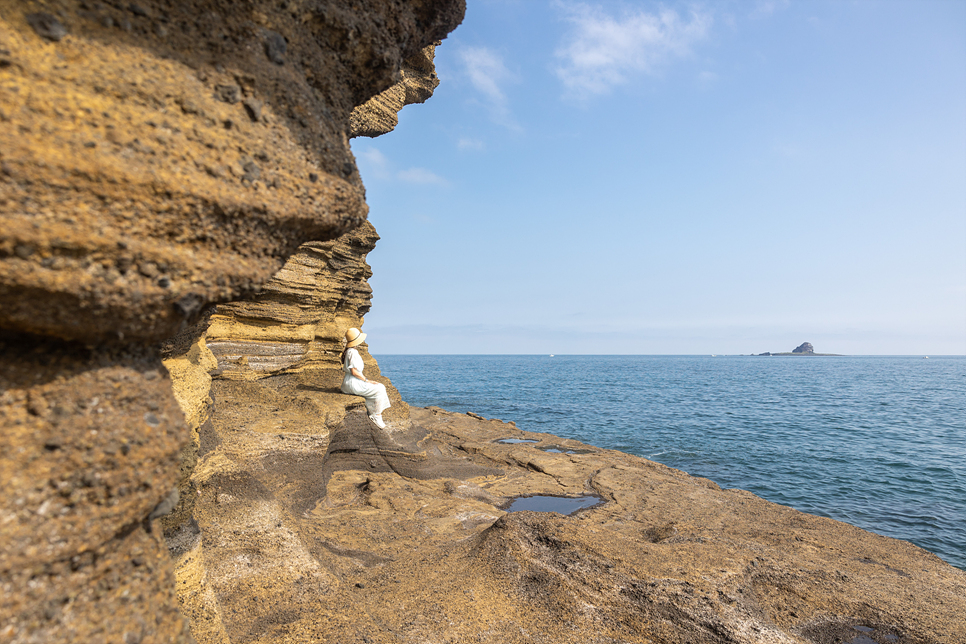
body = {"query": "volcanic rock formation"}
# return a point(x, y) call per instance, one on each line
point(804, 347)
point(154, 157)
point(309, 531)
point(160, 156)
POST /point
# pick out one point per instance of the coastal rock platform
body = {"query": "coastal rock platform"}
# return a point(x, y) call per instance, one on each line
point(314, 527)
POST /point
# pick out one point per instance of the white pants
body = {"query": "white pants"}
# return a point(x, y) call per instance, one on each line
point(375, 394)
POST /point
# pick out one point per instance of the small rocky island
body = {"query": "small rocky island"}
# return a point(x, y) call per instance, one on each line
point(804, 349)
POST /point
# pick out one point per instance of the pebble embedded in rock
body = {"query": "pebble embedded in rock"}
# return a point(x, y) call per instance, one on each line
point(166, 505)
point(23, 251)
point(275, 47)
point(190, 304)
point(254, 109)
point(47, 26)
point(228, 93)
point(252, 171)
point(148, 269)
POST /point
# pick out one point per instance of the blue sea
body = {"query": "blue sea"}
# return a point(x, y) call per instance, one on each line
point(878, 442)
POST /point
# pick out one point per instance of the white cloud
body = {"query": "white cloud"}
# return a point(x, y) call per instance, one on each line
point(486, 71)
point(375, 164)
point(422, 176)
point(764, 8)
point(488, 74)
point(707, 78)
point(604, 51)
point(466, 143)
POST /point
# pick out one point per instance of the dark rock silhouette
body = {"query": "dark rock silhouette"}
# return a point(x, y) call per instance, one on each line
point(804, 347)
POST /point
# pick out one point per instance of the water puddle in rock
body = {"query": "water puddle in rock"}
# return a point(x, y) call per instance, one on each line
point(560, 504)
point(557, 449)
point(516, 441)
point(865, 639)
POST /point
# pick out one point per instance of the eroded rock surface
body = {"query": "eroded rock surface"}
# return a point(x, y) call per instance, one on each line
point(380, 114)
point(299, 318)
point(342, 532)
point(154, 160)
point(90, 446)
point(155, 157)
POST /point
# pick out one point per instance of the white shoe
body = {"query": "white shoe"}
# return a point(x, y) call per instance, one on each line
point(377, 421)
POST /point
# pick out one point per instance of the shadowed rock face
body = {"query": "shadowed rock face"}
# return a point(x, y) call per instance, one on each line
point(380, 114)
point(299, 319)
point(89, 446)
point(159, 158)
point(154, 157)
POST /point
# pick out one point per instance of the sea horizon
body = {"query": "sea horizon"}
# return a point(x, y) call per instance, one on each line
point(874, 441)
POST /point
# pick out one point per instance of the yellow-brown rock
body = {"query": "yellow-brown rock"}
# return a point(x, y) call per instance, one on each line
point(313, 532)
point(189, 363)
point(155, 156)
point(299, 318)
point(89, 448)
point(380, 114)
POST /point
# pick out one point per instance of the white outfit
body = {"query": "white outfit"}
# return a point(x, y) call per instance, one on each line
point(374, 392)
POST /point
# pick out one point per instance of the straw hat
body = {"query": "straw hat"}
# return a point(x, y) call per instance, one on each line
point(354, 337)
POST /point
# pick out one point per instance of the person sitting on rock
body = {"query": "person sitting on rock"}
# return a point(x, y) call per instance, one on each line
point(357, 384)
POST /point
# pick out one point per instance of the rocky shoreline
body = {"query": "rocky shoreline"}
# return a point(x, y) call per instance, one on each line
point(352, 534)
point(183, 244)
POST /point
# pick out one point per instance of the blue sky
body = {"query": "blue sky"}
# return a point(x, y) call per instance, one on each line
point(678, 178)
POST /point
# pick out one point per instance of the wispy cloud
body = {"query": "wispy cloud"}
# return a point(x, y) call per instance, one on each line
point(376, 162)
point(466, 143)
point(421, 175)
point(706, 78)
point(488, 74)
point(604, 51)
point(764, 8)
point(376, 165)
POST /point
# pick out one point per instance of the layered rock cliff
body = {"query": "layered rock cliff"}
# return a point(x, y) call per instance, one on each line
point(311, 532)
point(155, 157)
point(159, 157)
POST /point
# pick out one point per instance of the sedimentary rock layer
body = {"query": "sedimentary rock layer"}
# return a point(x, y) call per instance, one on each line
point(155, 156)
point(299, 318)
point(161, 156)
point(90, 446)
point(380, 114)
point(313, 531)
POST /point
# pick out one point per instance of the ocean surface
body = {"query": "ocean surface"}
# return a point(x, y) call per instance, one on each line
point(878, 442)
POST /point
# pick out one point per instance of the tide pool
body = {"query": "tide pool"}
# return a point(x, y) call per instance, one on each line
point(878, 442)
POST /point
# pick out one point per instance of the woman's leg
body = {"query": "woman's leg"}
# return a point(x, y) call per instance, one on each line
point(381, 399)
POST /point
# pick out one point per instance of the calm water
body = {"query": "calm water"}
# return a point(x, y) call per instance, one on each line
point(879, 442)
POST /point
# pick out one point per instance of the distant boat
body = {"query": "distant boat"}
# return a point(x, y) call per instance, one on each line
point(925, 357)
point(713, 355)
point(551, 355)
